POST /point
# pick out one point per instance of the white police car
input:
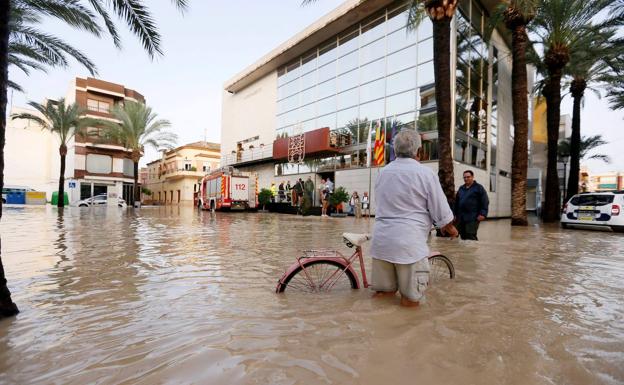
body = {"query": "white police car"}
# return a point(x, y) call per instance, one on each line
point(598, 209)
point(99, 200)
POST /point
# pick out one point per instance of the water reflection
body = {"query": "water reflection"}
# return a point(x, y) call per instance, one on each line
point(175, 295)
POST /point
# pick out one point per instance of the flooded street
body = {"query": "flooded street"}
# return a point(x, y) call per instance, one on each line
point(175, 296)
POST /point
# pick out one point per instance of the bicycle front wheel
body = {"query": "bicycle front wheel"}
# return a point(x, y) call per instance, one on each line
point(440, 269)
point(319, 277)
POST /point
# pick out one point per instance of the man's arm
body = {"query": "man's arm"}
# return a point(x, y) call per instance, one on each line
point(485, 203)
point(438, 207)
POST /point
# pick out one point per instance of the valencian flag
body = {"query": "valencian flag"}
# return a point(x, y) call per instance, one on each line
point(380, 146)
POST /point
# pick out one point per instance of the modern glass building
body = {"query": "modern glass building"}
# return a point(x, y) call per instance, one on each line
point(360, 68)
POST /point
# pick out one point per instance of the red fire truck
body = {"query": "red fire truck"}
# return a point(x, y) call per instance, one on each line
point(228, 188)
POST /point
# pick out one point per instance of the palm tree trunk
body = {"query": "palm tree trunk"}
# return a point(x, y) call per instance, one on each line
point(577, 89)
point(7, 307)
point(520, 108)
point(442, 74)
point(552, 93)
point(137, 193)
point(61, 182)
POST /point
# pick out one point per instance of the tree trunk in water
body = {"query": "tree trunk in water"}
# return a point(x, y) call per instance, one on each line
point(553, 112)
point(7, 307)
point(520, 109)
point(61, 182)
point(137, 193)
point(442, 73)
point(577, 89)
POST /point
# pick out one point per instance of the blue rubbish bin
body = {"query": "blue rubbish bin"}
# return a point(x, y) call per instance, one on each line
point(16, 198)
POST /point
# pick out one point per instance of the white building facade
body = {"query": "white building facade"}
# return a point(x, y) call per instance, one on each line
point(360, 67)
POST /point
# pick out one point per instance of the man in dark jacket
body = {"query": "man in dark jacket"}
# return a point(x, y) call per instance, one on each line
point(471, 207)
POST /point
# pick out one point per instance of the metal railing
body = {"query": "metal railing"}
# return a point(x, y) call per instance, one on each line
point(248, 155)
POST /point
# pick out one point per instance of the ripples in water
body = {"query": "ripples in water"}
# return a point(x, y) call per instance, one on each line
point(172, 295)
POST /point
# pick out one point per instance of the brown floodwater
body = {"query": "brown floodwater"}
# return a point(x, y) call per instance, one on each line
point(176, 296)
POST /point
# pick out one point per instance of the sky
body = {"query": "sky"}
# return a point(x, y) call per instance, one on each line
point(209, 44)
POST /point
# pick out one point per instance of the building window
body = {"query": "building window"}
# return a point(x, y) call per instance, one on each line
point(98, 105)
point(99, 164)
point(471, 87)
point(128, 167)
point(376, 70)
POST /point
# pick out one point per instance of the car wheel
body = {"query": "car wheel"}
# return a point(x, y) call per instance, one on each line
point(83, 205)
point(618, 229)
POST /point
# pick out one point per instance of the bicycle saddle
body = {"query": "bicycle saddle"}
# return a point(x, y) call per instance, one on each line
point(352, 239)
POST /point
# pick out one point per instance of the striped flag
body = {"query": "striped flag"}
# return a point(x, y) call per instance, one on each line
point(380, 146)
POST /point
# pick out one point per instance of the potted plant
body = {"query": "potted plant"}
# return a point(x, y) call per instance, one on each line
point(264, 197)
point(337, 199)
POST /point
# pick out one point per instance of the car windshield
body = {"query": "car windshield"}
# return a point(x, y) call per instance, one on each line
point(591, 200)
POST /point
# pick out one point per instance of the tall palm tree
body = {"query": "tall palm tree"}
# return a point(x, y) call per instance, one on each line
point(517, 15)
point(440, 13)
point(66, 122)
point(134, 13)
point(138, 127)
point(559, 25)
point(593, 65)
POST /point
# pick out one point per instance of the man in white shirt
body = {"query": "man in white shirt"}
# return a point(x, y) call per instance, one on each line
point(409, 200)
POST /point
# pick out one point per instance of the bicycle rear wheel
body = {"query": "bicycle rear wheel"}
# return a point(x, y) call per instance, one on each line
point(440, 269)
point(319, 277)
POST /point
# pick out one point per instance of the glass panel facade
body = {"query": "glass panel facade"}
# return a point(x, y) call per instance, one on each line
point(471, 128)
point(376, 71)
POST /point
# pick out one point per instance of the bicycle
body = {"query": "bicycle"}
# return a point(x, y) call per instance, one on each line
point(324, 270)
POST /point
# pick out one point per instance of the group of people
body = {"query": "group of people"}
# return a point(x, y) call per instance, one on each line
point(413, 202)
point(293, 194)
point(359, 206)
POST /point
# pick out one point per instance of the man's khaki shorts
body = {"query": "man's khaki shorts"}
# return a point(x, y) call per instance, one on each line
point(411, 279)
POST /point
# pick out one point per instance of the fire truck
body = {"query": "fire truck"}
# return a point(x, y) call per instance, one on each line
point(228, 188)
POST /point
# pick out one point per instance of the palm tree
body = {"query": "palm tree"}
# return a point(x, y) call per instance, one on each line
point(587, 144)
point(560, 27)
point(517, 15)
point(590, 66)
point(66, 122)
point(73, 13)
point(138, 127)
point(440, 13)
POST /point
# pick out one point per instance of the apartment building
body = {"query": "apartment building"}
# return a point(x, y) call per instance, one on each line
point(174, 177)
point(100, 165)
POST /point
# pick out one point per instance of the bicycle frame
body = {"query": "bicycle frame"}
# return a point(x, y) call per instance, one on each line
point(329, 255)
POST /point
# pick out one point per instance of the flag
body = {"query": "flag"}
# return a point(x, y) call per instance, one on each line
point(380, 145)
point(393, 134)
point(369, 144)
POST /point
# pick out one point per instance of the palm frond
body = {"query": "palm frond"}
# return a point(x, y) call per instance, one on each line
point(14, 86)
point(100, 9)
point(71, 12)
point(141, 23)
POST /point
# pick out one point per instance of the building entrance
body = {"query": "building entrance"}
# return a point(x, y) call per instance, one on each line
point(128, 188)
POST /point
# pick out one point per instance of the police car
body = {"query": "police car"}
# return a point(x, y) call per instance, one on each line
point(598, 209)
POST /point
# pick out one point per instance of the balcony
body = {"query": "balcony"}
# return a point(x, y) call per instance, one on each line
point(248, 156)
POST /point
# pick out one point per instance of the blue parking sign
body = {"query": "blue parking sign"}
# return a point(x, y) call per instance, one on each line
point(72, 184)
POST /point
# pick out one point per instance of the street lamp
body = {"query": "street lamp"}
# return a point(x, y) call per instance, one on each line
point(564, 158)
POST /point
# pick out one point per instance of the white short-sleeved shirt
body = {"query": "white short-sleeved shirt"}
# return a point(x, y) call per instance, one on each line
point(408, 200)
